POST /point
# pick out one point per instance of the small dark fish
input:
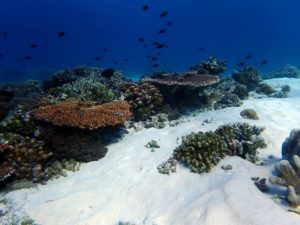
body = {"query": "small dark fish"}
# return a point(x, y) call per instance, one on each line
point(169, 23)
point(145, 7)
point(154, 58)
point(107, 73)
point(61, 34)
point(248, 57)
point(97, 58)
point(105, 49)
point(201, 49)
point(155, 43)
point(145, 46)
point(241, 64)
point(149, 56)
point(164, 13)
point(34, 46)
point(115, 63)
point(162, 31)
point(5, 34)
point(1, 55)
point(158, 54)
point(27, 57)
point(155, 65)
point(141, 39)
point(125, 60)
point(264, 62)
point(159, 46)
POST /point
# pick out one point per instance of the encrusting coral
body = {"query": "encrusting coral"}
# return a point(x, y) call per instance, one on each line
point(84, 115)
point(202, 151)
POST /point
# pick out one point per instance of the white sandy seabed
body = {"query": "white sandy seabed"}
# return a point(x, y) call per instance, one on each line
point(126, 186)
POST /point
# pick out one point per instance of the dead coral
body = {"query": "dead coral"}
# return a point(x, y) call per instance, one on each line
point(84, 115)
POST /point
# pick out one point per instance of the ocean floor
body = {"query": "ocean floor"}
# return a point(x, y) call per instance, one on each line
point(126, 186)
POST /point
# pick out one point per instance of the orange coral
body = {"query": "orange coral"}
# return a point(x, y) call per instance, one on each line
point(84, 115)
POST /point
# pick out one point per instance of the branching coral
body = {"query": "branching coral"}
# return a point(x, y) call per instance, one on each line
point(202, 151)
point(145, 100)
point(84, 115)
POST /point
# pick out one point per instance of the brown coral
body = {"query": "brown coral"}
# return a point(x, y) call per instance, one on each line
point(84, 115)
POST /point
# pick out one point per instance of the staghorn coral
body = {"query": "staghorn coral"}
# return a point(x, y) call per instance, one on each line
point(289, 176)
point(84, 115)
point(202, 151)
point(210, 66)
point(5, 172)
point(145, 100)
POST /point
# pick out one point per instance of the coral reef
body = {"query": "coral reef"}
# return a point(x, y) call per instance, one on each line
point(68, 75)
point(84, 89)
point(81, 145)
point(190, 79)
point(182, 90)
point(202, 151)
point(241, 91)
point(25, 156)
point(210, 66)
point(84, 115)
point(263, 88)
point(287, 71)
point(291, 145)
point(145, 100)
point(289, 176)
point(249, 114)
point(248, 76)
point(227, 100)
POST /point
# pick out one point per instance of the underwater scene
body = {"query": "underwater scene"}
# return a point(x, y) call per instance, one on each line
point(149, 112)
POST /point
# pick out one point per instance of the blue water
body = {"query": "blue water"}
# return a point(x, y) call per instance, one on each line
point(227, 29)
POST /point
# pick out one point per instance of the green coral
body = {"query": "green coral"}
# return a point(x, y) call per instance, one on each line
point(202, 151)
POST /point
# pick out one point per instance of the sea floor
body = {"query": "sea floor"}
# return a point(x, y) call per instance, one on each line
point(126, 186)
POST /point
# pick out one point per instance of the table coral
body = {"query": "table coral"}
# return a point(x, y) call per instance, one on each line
point(84, 115)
